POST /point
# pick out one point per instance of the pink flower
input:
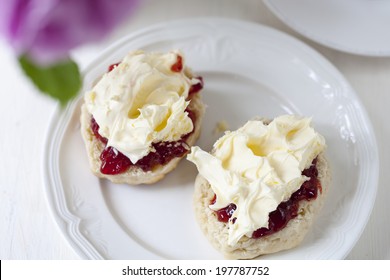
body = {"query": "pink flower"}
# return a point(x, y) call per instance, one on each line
point(47, 29)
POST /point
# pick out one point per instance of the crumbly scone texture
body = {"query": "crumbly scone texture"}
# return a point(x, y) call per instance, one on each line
point(249, 248)
point(135, 175)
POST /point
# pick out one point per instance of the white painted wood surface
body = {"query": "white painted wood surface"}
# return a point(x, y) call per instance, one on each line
point(27, 230)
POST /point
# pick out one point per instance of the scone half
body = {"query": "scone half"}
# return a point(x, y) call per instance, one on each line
point(247, 248)
point(271, 186)
point(96, 144)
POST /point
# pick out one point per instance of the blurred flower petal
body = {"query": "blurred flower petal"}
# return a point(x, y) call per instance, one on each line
point(47, 29)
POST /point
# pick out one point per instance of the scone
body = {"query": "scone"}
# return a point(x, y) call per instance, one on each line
point(261, 187)
point(141, 118)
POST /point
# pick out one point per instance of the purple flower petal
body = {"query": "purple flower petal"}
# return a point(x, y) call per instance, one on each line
point(48, 29)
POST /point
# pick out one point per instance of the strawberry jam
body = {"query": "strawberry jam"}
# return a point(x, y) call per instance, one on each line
point(224, 214)
point(164, 152)
point(285, 211)
point(114, 162)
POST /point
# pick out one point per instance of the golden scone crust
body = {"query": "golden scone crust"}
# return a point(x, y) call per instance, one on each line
point(248, 248)
point(135, 175)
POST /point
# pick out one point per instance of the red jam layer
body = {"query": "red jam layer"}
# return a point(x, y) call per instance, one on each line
point(287, 210)
point(114, 162)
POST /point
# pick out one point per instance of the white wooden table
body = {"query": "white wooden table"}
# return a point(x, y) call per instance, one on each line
point(27, 230)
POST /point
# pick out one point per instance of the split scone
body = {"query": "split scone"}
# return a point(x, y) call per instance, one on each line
point(261, 187)
point(141, 118)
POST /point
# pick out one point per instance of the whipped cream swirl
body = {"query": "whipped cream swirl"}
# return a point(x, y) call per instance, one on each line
point(142, 101)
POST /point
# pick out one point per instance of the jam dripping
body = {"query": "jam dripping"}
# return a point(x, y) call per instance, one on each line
point(285, 211)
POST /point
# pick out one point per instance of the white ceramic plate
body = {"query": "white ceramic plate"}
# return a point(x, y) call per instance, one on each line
point(354, 26)
point(248, 70)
